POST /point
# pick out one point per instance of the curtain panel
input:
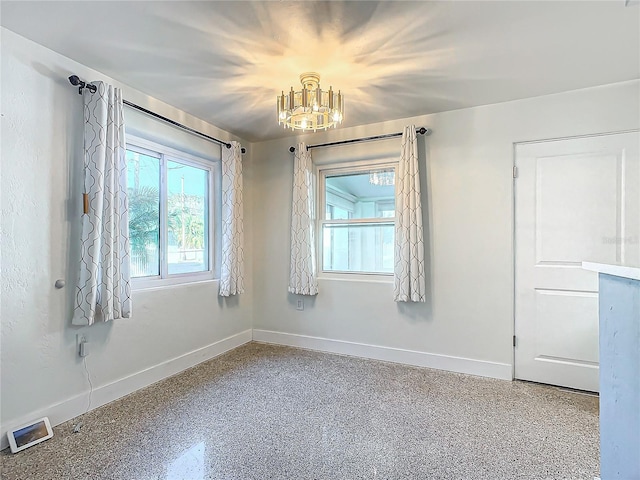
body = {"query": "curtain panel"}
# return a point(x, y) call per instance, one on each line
point(302, 277)
point(232, 268)
point(104, 284)
point(409, 272)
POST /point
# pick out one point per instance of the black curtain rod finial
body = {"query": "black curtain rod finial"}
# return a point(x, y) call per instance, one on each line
point(76, 82)
point(292, 149)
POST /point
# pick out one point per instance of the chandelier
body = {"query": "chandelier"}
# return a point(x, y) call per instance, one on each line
point(310, 108)
point(382, 177)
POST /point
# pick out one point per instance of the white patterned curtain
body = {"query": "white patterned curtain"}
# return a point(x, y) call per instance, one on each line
point(231, 271)
point(302, 278)
point(409, 275)
point(104, 281)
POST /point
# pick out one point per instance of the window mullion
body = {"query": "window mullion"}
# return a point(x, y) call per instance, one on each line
point(210, 224)
point(321, 215)
point(164, 227)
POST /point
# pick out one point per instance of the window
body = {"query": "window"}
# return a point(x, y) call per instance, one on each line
point(170, 212)
point(357, 224)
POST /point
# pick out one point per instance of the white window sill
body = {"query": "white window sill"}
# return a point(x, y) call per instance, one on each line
point(356, 277)
point(151, 285)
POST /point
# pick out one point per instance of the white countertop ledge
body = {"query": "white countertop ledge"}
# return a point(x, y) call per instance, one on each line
point(616, 270)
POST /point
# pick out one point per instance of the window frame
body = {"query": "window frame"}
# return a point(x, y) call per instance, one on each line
point(343, 168)
point(213, 167)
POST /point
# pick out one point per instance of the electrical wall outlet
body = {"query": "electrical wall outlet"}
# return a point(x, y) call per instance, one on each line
point(300, 304)
point(81, 344)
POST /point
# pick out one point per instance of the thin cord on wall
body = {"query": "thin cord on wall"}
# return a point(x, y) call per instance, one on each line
point(86, 369)
point(78, 426)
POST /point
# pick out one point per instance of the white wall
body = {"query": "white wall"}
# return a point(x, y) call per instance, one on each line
point(467, 171)
point(171, 328)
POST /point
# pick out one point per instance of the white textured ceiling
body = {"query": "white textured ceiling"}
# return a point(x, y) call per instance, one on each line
point(225, 62)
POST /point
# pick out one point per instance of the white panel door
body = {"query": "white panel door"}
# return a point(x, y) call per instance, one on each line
point(576, 200)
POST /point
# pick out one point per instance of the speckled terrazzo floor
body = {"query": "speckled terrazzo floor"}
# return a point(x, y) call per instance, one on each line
point(268, 412)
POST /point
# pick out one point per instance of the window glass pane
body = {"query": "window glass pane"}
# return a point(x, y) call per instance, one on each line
point(364, 247)
point(369, 194)
point(336, 213)
point(386, 209)
point(187, 218)
point(143, 180)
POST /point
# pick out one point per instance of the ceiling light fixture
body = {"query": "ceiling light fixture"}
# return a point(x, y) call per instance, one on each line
point(310, 108)
point(382, 177)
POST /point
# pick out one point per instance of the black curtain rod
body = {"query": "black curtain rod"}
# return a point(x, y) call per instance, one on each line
point(421, 131)
point(75, 81)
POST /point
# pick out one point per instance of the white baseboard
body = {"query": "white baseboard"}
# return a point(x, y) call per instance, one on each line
point(77, 405)
point(481, 368)
point(74, 406)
